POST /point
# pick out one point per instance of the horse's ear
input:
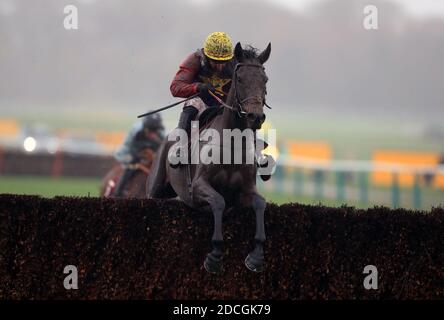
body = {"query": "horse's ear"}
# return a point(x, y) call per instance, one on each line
point(263, 57)
point(239, 52)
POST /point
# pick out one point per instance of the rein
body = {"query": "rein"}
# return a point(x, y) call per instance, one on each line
point(240, 102)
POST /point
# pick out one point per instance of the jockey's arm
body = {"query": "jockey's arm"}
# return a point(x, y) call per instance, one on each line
point(125, 154)
point(184, 83)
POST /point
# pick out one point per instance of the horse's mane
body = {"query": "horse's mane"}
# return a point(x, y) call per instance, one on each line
point(250, 52)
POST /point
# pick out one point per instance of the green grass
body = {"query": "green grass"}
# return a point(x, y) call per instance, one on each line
point(49, 187)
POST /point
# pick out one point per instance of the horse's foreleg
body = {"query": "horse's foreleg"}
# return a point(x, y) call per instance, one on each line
point(213, 260)
point(216, 203)
point(255, 259)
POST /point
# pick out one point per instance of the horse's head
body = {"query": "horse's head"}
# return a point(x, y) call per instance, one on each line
point(250, 84)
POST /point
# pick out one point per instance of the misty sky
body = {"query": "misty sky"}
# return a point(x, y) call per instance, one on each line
point(418, 8)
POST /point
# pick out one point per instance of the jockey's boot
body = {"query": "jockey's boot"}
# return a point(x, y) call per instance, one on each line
point(123, 182)
point(187, 115)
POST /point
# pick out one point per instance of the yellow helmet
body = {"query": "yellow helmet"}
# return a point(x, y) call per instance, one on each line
point(218, 46)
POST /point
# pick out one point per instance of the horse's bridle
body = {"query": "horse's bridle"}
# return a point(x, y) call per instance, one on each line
point(240, 111)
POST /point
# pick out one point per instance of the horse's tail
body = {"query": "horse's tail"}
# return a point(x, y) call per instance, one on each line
point(157, 182)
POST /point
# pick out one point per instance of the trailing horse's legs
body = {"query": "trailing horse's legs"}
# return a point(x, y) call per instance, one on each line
point(255, 259)
point(203, 192)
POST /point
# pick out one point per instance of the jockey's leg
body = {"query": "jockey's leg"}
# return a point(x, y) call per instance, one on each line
point(123, 181)
point(189, 112)
point(187, 115)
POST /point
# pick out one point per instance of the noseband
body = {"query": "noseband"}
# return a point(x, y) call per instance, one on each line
point(239, 103)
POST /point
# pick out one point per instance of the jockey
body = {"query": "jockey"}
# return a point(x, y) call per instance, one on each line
point(148, 133)
point(208, 69)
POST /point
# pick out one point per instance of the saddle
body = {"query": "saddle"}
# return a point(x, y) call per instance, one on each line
point(208, 115)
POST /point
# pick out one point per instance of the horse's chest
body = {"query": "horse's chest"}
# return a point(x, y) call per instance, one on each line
point(230, 180)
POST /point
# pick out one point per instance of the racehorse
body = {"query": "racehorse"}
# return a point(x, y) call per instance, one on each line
point(136, 188)
point(216, 187)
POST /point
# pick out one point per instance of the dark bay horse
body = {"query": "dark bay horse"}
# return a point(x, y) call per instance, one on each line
point(136, 188)
point(215, 187)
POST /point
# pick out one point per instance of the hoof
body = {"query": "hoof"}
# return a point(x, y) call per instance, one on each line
point(253, 264)
point(212, 266)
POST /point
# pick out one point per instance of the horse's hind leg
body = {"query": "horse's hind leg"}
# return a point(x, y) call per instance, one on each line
point(156, 184)
point(204, 193)
point(255, 259)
